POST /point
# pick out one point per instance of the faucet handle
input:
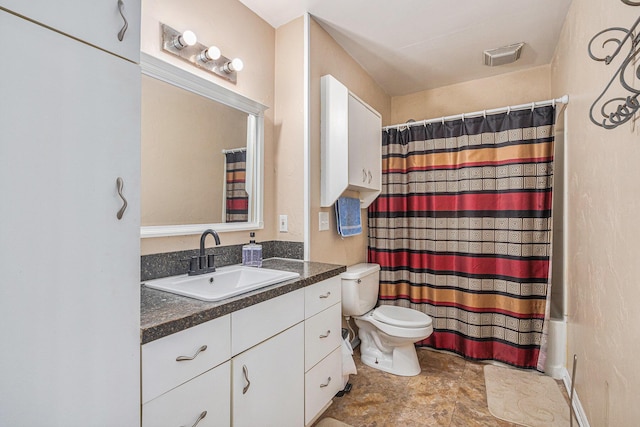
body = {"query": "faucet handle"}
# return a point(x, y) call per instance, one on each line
point(193, 264)
point(211, 263)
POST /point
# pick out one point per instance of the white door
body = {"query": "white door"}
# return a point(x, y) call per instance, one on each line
point(268, 382)
point(98, 22)
point(69, 282)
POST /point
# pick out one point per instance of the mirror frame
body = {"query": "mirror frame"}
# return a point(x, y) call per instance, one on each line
point(164, 71)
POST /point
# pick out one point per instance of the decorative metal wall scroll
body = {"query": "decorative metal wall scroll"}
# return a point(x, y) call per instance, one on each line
point(617, 110)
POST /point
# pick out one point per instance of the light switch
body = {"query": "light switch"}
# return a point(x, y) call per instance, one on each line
point(284, 224)
point(323, 219)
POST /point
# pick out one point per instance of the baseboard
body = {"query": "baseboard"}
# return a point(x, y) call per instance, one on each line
point(578, 411)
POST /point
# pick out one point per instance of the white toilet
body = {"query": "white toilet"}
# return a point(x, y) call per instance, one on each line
point(387, 333)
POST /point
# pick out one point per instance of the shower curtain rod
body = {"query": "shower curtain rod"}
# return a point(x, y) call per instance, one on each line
point(233, 150)
point(562, 100)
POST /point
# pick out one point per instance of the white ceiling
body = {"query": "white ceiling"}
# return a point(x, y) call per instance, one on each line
point(412, 45)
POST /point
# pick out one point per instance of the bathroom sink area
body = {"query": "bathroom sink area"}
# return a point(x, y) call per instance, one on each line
point(224, 283)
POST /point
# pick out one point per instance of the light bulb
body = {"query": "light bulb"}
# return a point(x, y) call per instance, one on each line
point(234, 65)
point(188, 38)
point(210, 54)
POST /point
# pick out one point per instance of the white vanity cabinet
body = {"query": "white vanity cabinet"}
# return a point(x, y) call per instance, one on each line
point(275, 363)
point(97, 22)
point(351, 145)
point(322, 352)
point(267, 370)
point(69, 127)
point(185, 376)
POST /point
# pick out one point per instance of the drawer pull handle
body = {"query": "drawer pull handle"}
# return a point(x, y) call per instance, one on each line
point(324, 385)
point(126, 24)
point(119, 186)
point(182, 358)
point(325, 335)
point(245, 371)
point(202, 415)
point(325, 295)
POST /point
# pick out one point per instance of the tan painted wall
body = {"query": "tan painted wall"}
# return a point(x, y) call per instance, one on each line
point(238, 32)
point(515, 88)
point(603, 231)
point(327, 57)
point(288, 164)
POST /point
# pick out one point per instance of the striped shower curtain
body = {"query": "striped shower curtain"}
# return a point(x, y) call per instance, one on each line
point(462, 231)
point(236, 197)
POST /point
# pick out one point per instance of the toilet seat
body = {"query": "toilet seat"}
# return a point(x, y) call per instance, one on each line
point(401, 317)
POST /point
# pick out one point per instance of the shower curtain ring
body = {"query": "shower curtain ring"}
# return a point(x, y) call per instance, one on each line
point(462, 117)
point(484, 114)
point(533, 106)
point(508, 110)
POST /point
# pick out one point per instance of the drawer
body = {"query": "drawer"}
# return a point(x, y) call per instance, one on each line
point(321, 384)
point(252, 325)
point(183, 405)
point(322, 334)
point(322, 295)
point(161, 371)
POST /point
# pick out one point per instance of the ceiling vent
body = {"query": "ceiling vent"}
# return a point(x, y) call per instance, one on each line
point(502, 55)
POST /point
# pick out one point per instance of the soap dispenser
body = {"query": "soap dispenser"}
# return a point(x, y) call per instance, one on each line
point(252, 253)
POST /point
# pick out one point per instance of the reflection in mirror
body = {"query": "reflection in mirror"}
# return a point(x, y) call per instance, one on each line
point(201, 154)
point(184, 140)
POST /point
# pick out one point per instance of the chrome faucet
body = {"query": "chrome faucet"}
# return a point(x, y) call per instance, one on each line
point(203, 263)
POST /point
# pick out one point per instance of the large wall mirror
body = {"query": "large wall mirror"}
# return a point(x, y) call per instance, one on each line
point(201, 154)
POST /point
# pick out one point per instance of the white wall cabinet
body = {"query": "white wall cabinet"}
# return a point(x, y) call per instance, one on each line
point(70, 300)
point(97, 22)
point(351, 145)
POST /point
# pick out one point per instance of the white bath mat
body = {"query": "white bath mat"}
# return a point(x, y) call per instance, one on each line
point(525, 398)
point(331, 422)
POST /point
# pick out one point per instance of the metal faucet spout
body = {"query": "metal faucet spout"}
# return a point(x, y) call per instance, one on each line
point(203, 237)
point(203, 263)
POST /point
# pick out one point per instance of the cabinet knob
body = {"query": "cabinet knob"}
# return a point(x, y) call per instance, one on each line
point(325, 335)
point(325, 295)
point(364, 175)
point(182, 358)
point(370, 177)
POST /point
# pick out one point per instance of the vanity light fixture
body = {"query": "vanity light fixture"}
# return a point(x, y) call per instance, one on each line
point(186, 47)
point(210, 54)
point(188, 38)
point(235, 64)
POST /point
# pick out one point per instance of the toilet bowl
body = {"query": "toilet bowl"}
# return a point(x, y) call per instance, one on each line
point(387, 333)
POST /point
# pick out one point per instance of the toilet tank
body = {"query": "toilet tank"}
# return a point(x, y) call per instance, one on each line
point(360, 286)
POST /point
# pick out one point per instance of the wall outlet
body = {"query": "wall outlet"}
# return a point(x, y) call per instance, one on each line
point(323, 220)
point(284, 224)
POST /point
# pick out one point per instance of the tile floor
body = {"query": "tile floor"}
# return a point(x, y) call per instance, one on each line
point(449, 392)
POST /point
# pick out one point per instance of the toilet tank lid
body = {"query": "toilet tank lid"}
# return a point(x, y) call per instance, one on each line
point(358, 271)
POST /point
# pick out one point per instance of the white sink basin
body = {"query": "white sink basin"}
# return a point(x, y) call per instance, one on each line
point(225, 282)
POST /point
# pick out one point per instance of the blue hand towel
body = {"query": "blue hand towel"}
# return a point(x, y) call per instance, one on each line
point(348, 216)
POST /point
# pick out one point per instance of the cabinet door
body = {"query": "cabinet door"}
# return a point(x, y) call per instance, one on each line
point(97, 22)
point(364, 146)
point(205, 397)
point(268, 382)
point(70, 295)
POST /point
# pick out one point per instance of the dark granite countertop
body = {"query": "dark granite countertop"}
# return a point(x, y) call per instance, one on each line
point(163, 313)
